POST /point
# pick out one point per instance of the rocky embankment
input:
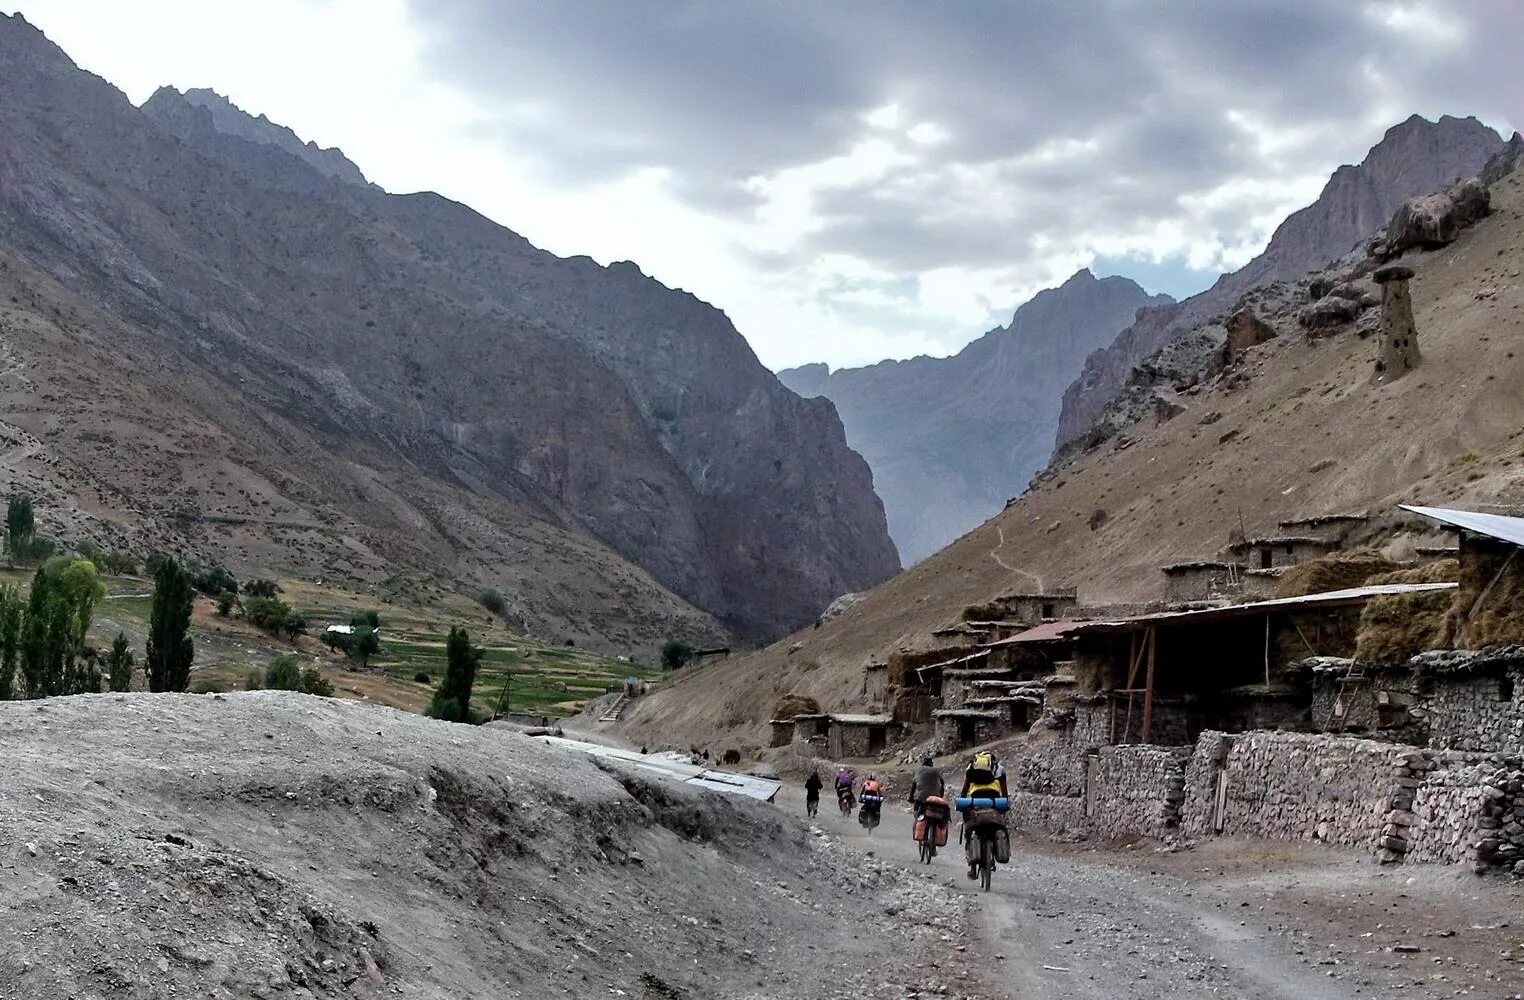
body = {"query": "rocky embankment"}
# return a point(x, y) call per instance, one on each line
point(276, 845)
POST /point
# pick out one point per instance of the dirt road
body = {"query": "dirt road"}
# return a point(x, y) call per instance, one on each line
point(1224, 919)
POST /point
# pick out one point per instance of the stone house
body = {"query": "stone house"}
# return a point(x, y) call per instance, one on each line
point(1276, 551)
point(959, 728)
point(852, 736)
point(1026, 608)
point(1473, 700)
point(1202, 580)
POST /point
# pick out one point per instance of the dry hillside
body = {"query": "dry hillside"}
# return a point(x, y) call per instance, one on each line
point(1308, 433)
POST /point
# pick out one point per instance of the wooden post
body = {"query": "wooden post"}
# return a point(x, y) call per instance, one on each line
point(1148, 685)
point(1267, 651)
point(1136, 657)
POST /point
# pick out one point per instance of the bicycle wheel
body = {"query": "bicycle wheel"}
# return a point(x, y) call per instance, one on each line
point(925, 853)
point(986, 863)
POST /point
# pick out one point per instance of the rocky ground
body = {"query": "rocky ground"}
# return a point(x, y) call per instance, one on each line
point(1224, 919)
point(277, 845)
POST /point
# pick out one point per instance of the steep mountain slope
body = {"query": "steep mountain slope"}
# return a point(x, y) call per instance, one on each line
point(400, 377)
point(1412, 158)
point(1308, 433)
point(950, 439)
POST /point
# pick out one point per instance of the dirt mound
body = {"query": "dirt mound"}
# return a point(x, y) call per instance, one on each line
point(278, 845)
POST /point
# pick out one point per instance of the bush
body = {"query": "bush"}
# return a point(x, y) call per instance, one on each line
point(225, 602)
point(253, 681)
point(676, 654)
point(422, 677)
point(283, 674)
point(213, 580)
point(209, 685)
point(492, 601)
point(268, 614)
point(261, 588)
point(313, 682)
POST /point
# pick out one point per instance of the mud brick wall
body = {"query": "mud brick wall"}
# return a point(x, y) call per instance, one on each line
point(1135, 790)
point(1296, 786)
point(1478, 712)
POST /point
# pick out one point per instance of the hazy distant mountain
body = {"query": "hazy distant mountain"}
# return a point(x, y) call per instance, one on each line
point(1413, 158)
point(271, 362)
point(950, 439)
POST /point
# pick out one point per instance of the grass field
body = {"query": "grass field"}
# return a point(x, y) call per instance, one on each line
point(541, 677)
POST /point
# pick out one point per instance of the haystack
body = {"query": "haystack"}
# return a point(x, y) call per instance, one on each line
point(793, 704)
point(1489, 606)
point(1335, 571)
point(1396, 628)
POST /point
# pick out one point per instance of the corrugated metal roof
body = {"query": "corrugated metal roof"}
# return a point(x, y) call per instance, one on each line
point(861, 720)
point(1327, 599)
point(1499, 526)
point(676, 767)
point(1046, 632)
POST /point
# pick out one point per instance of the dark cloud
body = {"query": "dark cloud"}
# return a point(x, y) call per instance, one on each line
point(1062, 124)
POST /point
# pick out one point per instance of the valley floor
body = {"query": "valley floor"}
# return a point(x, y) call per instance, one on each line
point(1223, 919)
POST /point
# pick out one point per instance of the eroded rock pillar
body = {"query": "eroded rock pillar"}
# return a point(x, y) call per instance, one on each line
point(1397, 345)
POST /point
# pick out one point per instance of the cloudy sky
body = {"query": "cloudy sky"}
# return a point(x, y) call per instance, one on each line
point(849, 181)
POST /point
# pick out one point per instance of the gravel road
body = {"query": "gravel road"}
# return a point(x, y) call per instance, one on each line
point(1222, 919)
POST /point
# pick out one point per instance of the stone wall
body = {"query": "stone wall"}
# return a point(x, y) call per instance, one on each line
point(1477, 711)
point(1193, 582)
point(1292, 786)
point(1052, 814)
point(1135, 790)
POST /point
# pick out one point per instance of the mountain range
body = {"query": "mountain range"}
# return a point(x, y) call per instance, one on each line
point(951, 439)
point(221, 340)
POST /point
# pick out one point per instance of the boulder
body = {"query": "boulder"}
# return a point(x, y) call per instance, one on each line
point(1361, 292)
point(1327, 313)
point(1437, 219)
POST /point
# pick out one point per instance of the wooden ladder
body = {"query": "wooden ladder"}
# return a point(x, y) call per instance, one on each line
point(1353, 678)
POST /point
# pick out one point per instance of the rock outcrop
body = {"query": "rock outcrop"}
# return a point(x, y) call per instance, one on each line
point(1433, 220)
point(422, 387)
point(1504, 162)
point(185, 113)
point(1412, 159)
point(1397, 347)
point(949, 439)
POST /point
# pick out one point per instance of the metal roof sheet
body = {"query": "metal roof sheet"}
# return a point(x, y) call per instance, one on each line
point(860, 720)
point(1329, 598)
point(1046, 632)
point(1499, 526)
point(675, 767)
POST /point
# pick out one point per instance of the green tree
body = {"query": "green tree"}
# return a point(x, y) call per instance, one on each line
point(78, 585)
point(313, 682)
point(119, 664)
point(676, 654)
point(365, 641)
point(261, 588)
point(11, 615)
point(267, 613)
point(452, 699)
point(20, 528)
point(170, 649)
point(492, 601)
point(225, 602)
point(283, 674)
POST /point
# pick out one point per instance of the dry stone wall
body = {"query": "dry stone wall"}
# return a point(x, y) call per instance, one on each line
point(1292, 786)
point(1478, 712)
point(1133, 790)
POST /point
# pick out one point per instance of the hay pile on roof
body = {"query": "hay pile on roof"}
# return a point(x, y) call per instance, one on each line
point(1489, 606)
point(1397, 627)
point(792, 704)
point(1335, 571)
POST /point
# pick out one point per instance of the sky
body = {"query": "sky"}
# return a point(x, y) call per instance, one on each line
point(849, 181)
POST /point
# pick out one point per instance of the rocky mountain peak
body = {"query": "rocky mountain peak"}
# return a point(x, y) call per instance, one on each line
point(170, 107)
point(1413, 157)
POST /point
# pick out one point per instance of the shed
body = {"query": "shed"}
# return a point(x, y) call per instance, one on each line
point(1172, 674)
point(859, 735)
point(1489, 607)
point(1282, 550)
point(957, 728)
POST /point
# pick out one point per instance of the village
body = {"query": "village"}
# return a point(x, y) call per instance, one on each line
point(1295, 686)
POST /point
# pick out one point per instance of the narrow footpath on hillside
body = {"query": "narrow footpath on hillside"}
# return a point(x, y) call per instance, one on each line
point(1222, 919)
